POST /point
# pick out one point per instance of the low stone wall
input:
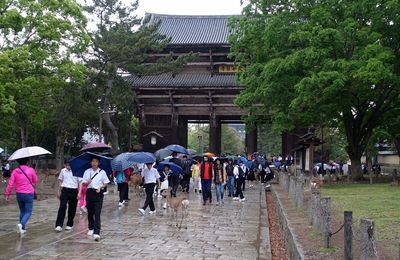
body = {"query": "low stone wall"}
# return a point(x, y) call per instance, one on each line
point(295, 250)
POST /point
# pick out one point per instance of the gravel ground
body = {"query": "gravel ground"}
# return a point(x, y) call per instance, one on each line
point(278, 248)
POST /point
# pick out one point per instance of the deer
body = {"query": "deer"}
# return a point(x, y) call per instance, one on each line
point(136, 183)
point(178, 203)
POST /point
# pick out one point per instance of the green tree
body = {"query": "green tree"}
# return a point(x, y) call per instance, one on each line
point(230, 141)
point(120, 43)
point(321, 63)
point(38, 40)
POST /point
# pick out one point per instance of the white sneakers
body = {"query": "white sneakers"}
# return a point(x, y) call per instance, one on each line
point(165, 205)
point(152, 212)
point(121, 204)
point(90, 232)
point(68, 228)
point(141, 211)
point(235, 198)
point(96, 237)
point(20, 230)
point(58, 229)
point(242, 200)
point(105, 193)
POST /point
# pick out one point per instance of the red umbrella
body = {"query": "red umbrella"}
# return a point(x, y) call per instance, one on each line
point(95, 146)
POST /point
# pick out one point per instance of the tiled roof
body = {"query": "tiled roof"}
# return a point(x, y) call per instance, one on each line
point(185, 29)
point(184, 80)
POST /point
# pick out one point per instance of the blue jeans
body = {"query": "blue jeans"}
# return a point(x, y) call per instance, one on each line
point(219, 190)
point(231, 185)
point(206, 190)
point(25, 203)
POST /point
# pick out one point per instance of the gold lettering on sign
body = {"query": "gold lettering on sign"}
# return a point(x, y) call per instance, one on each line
point(227, 69)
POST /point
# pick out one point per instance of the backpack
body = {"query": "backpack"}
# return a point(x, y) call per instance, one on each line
point(120, 177)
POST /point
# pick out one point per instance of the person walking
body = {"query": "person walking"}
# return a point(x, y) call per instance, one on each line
point(24, 178)
point(151, 179)
point(220, 179)
point(122, 179)
point(6, 170)
point(68, 186)
point(206, 174)
point(82, 199)
point(96, 180)
point(175, 177)
point(196, 177)
point(187, 173)
point(231, 178)
point(240, 175)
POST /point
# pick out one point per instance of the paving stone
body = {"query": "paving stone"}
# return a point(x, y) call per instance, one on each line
point(229, 232)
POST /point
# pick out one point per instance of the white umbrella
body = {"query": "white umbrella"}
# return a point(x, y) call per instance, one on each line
point(1, 150)
point(28, 152)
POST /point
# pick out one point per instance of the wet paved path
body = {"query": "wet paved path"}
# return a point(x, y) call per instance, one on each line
point(235, 230)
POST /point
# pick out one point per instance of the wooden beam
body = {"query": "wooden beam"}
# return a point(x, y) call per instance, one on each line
point(149, 96)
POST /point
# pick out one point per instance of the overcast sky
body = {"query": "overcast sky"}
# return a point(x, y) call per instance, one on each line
point(189, 7)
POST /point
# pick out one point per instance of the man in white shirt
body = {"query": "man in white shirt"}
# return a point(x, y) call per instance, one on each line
point(151, 178)
point(67, 193)
point(240, 175)
point(96, 180)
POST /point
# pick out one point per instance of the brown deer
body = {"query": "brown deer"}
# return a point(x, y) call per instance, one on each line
point(178, 203)
point(136, 182)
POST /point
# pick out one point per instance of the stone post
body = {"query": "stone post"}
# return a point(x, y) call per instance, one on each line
point(326, 218)
point(367, 248)
point(348, 235)
point(299, 192)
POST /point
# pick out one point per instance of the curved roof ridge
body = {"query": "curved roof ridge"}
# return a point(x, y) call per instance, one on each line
point(191, 16)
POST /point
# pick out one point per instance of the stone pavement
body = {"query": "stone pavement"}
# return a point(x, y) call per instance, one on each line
point(236, 230)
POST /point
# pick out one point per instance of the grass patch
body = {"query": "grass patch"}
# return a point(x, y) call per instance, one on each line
point(380, 202)
point(332, 249)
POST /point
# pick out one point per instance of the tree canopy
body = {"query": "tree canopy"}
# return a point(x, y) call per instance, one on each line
point(321, 63)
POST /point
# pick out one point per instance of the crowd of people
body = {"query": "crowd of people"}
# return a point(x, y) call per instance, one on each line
point(180, 174)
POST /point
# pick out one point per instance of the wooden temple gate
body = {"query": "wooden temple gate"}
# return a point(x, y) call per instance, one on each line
point(203, 91)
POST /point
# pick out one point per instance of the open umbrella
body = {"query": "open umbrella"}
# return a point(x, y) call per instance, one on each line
point(82, 162)
point(142, 157)
point(28, 152)
point(95, 146)
point(162, 154)
point(177, 148)
point(1, 150)
point(192, 151)
point(176, 169)
point(210, 154)
point(122, 162)
point(245, 161)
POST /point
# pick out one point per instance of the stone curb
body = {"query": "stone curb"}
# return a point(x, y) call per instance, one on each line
point(293, 246)
point(263, 233)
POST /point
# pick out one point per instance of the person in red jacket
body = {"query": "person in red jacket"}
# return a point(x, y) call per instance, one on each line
point(122, 179)
point(207, 174)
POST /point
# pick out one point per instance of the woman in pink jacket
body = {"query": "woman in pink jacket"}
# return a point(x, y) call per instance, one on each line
point(25, 179)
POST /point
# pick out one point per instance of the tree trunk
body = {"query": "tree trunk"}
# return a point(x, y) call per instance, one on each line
point(355, 168)
point(107, 118)
point(59, 151)
point(24, 136)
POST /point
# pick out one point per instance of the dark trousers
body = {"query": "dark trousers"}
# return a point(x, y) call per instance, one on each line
point(127, 192)
point(94, 203)
point(175, 184)
point(243, 184)
point(206, 190)
point(123, 190)
point(149, 187)
point(67, 196)
point(239, 192)
point(186, 182)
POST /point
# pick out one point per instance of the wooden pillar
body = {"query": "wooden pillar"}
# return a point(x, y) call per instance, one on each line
point(251, 141)
point(311, 159)
point(183, 132)
point(174, 128)
point(215, 134)
point(142, 125)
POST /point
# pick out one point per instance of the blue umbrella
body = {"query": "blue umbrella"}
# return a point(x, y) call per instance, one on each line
point(176, 169)
point(245, 161)
point(122, 162)
point(142, 157)
point(162, 153)
point(177, 148)
point(81, 163)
